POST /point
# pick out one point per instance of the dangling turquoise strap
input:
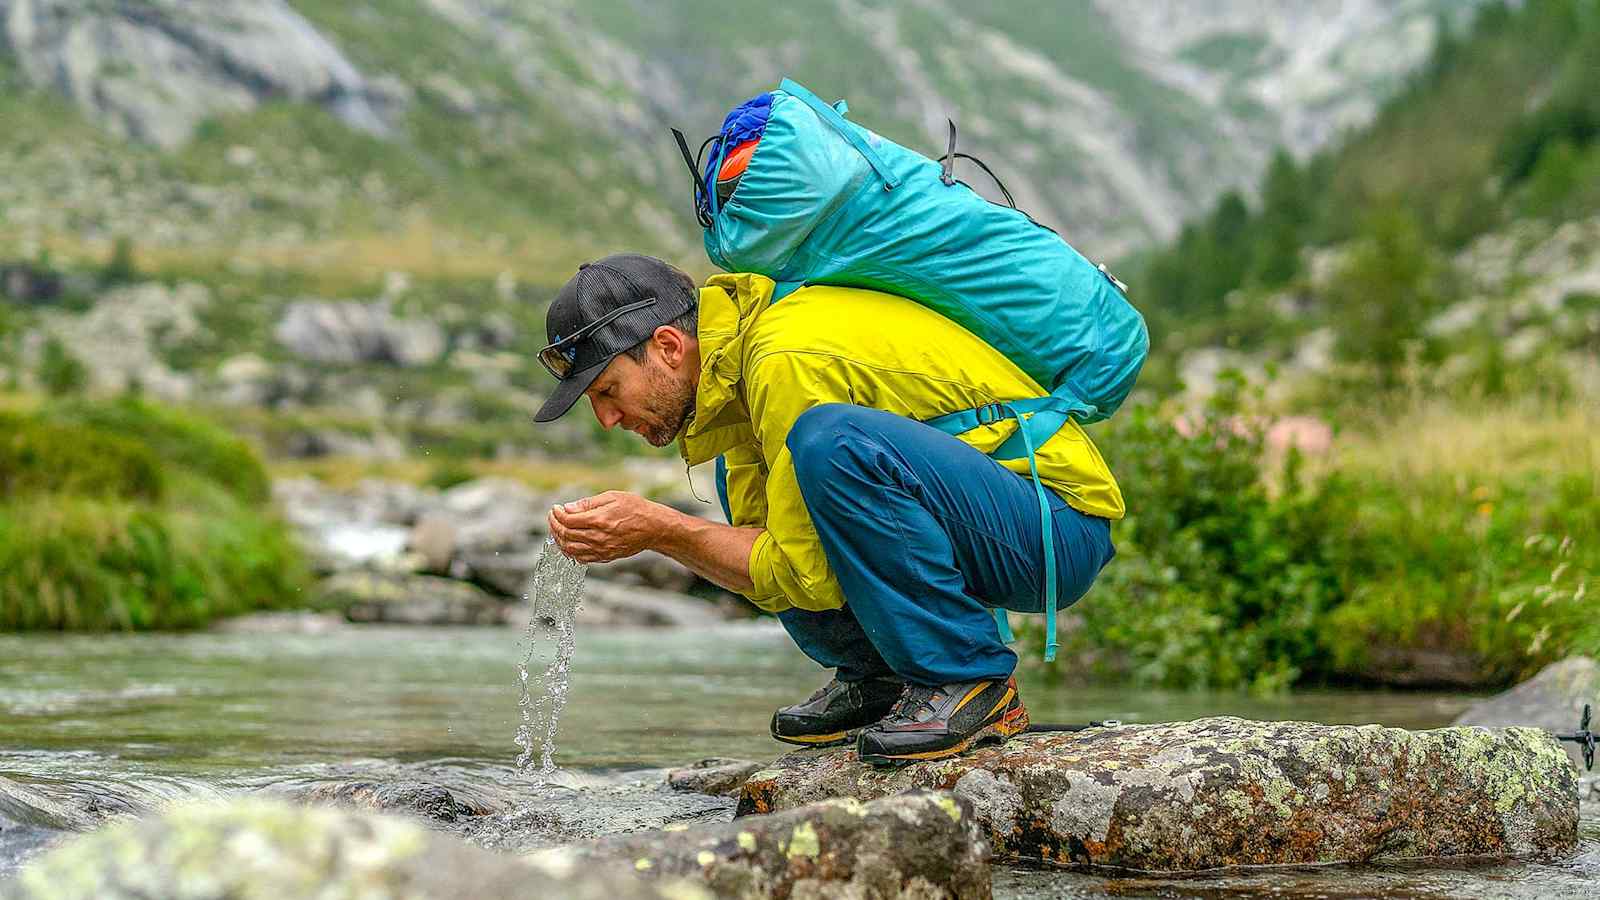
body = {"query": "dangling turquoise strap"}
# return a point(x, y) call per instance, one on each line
point(1043, 412)
point(1003, 625)
point(1047, 529)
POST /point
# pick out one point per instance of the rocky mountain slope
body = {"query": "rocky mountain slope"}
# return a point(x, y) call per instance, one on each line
point(537, 132)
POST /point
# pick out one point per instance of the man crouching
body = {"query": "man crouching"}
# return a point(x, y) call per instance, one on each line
point(883, 545)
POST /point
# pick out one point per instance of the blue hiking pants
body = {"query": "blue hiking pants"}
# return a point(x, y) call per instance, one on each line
point(926, 535)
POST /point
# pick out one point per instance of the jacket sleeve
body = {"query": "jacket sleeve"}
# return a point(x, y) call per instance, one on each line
point(787, 563)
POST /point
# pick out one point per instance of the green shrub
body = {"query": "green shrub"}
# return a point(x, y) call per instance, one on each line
point(1217, 581)
point(121, 268)
point(59, 371)
point(1221, 582)
point(446, 475)
point(42, 457)
point(71, 563)
point(179, 439)
point(1494, 573)
point(128, 515)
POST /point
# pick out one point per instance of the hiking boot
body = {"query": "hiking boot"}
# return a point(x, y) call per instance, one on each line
point(933, 723)
point(836, 712)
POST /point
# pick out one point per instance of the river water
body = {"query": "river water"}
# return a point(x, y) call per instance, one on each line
point(161, 714)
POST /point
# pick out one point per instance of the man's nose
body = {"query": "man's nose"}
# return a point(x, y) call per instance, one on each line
point(608, 415)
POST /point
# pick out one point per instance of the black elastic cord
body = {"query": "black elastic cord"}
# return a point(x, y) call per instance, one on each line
point(948, 176)
point(702, 204)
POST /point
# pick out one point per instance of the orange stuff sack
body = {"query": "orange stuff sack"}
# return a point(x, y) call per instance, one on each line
point(733, 166)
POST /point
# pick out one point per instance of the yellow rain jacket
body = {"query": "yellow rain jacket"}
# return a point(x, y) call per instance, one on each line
point(763, 364)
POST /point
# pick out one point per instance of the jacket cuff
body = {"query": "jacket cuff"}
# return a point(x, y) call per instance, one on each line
point(767, 593)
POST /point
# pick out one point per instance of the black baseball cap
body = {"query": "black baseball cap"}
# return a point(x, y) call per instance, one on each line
point(608, 307)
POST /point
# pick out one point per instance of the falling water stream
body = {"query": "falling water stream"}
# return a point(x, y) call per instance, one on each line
point(555, 592)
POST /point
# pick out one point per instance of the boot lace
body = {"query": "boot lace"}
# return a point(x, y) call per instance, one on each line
point(913, 699)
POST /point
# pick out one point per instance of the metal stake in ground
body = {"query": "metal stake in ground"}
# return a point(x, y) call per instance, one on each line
point(1584, 738)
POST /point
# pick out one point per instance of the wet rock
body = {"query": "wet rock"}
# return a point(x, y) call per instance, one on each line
point(347, 332)
point(1226, 791)
point(495, 514)
point(434, 539)
point(717, 776)
point(605, 603)
point(921, 844)
point(647, 568)
point(409, 600)
point(552, 815)
point(264, 849)
point(417, 798)
point(27, 804)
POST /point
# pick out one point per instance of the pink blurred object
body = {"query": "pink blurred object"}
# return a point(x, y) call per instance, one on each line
point(1307, 434)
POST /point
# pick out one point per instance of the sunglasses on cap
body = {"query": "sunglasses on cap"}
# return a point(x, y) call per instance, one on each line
point(560, 357)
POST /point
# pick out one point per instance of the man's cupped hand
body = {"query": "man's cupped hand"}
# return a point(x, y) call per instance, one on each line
point(608, 526)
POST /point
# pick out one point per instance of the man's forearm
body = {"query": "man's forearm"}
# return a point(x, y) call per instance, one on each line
point(718, 553)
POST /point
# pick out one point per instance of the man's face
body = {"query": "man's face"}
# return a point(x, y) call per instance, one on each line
point(651, 399)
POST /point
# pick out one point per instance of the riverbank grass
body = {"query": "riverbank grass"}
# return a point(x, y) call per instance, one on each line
point(129, 516)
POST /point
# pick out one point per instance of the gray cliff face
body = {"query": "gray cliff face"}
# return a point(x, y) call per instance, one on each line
point(153, 70)
point(1113, 121)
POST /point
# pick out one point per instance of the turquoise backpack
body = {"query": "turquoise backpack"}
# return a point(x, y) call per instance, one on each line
point(825, 201)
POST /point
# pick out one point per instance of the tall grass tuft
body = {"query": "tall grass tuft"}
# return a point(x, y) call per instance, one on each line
point(129, 516)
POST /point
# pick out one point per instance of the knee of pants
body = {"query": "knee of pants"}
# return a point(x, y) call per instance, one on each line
point(814, 442)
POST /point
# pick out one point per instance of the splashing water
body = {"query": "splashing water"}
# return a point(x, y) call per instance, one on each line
point(557, 591)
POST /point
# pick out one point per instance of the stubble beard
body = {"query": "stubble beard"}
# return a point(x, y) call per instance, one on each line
point(673, 402)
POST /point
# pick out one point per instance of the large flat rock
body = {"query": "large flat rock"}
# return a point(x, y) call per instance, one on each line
point(1225, 792)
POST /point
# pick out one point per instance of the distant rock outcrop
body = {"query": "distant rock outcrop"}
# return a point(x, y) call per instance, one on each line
point(153, 71)
point(333, 332)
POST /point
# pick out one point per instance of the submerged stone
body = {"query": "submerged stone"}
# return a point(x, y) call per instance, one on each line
point(1226, 792)
point(922, 845)
point(717, 776)
point(256, 848)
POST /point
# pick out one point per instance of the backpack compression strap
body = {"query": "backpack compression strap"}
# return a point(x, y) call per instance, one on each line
point(1037, 419)
point(832, 116)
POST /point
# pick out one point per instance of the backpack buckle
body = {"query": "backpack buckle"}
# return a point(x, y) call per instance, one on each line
point(991, 413)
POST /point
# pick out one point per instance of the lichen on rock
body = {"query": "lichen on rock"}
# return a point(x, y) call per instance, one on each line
point(1226, 791)
point(917, 846)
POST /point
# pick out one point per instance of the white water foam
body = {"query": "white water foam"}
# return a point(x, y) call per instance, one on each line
point(556, 592)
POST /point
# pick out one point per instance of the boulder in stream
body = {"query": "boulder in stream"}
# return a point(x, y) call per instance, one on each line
point(717, 776)
point(257, 848)
point(409, 600)
point(921, 844)
point(1225, 792)
point(1552, 700)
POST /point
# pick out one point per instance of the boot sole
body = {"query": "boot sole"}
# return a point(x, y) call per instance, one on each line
point(833, 739)
point(1014, 722)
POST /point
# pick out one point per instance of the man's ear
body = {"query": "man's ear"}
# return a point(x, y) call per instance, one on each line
point(673, 345)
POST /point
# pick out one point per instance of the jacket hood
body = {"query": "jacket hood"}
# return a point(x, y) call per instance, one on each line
point(729, 305)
